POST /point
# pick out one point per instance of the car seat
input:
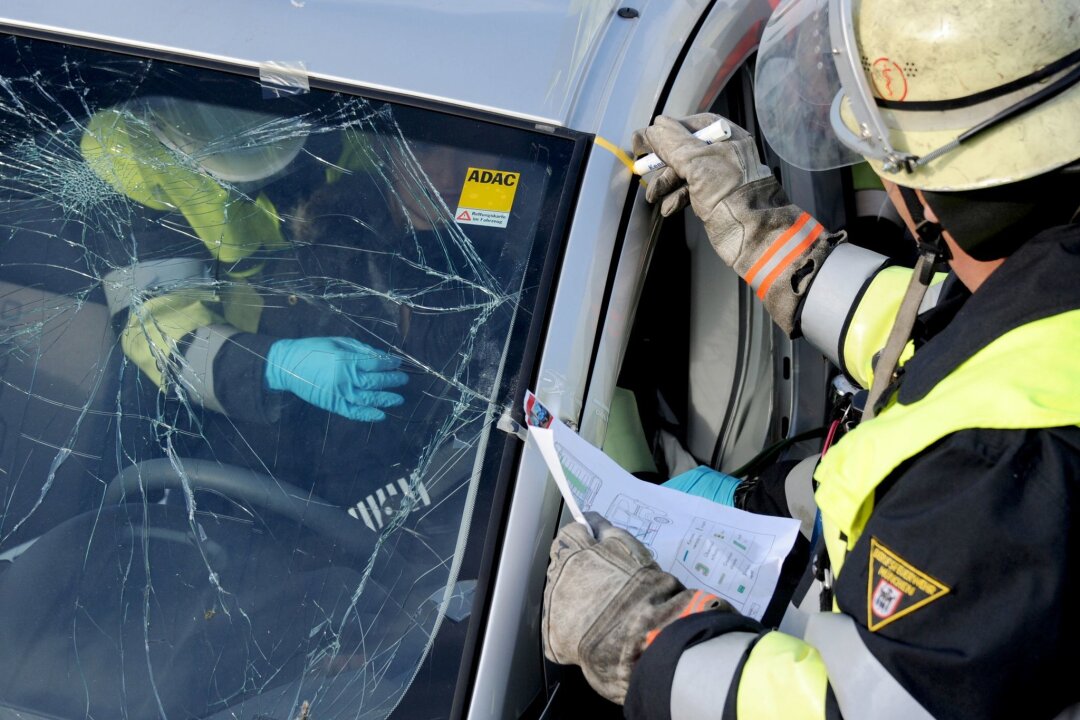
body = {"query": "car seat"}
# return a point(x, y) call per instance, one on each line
point(59, 379)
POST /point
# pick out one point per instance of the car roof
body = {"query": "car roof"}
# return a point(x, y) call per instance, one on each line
point(524, 58)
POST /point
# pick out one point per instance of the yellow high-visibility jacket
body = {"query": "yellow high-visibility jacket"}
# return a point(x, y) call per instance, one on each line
point(180, 311)
point(947, 518)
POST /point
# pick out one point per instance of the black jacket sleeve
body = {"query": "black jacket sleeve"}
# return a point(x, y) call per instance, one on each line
point(988, 515)
point(239, 384)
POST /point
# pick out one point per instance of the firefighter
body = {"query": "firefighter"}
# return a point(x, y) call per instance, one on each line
point(196, 325)
point(947, 513)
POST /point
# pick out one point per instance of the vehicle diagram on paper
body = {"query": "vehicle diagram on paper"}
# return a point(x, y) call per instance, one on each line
point(642, 521)
point(734, 554)
point(724, 557)
point(584, 484)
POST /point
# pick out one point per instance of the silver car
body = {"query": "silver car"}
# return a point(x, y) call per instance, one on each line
point(185, 184)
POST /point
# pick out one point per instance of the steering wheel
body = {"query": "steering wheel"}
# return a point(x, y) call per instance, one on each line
point(247, 486)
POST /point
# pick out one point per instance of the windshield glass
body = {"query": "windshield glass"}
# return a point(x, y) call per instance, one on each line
point(254, 346)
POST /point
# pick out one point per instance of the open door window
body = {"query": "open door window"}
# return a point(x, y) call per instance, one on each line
point(714, 380)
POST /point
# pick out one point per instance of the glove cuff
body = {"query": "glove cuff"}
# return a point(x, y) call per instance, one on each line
point(651, 600)
point(700, 601)
point(277, 361)
point(705, 482)
point(778, 247)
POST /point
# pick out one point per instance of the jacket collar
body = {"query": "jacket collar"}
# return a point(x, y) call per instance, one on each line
point(1037, 281)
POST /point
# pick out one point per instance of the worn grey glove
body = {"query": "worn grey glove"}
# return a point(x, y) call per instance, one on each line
point(605, 600)
point(773, 245)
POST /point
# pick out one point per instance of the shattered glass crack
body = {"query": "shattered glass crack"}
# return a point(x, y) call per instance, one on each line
point(248, 367)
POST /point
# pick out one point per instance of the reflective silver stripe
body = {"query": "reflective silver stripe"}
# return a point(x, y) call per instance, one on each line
point(876, 204)
point(704, 674)
point(799, 493)
point(197, 368)
point(863, 687)
point(832, 296)
point(376, 510)
point(424, 497)
point(121, 284)
point(795, 619)
point(359, 511)
point(809, 225)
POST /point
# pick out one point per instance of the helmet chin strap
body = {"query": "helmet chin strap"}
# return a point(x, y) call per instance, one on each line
point(928, 233)
point(932, 253)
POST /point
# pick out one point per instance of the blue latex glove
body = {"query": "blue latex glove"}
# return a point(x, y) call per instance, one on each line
point(707, 483)
point(338, 374)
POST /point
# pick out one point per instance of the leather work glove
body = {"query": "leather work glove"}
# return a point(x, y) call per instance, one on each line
point(338, 374)
point(773, 245)
point(605, 600)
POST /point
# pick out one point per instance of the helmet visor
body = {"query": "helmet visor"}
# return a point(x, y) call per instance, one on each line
point(232, 144)
point(795, 85)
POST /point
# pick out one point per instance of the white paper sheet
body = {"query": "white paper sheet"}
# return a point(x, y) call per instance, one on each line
point(734, 554)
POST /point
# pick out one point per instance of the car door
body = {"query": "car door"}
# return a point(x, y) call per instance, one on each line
point(672, 318)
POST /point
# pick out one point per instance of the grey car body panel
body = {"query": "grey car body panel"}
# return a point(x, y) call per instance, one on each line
point(625, 99)
point(526, 59)
point(570, 63)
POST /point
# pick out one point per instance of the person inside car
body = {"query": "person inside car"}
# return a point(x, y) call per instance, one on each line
point(948, 512)
point(191, 318)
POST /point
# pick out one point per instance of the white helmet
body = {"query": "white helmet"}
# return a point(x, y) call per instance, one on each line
point(243, 147)
point(935, 94)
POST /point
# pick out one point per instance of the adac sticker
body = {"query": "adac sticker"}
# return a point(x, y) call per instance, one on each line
point(895, 587)
point(487, 197)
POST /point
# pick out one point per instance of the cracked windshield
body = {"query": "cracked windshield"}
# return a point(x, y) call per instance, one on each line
point(254, 346)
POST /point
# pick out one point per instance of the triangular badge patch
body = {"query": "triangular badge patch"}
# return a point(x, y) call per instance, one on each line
point(895, 587)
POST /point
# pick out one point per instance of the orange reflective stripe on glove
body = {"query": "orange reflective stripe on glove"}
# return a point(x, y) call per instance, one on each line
point(773, 245)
